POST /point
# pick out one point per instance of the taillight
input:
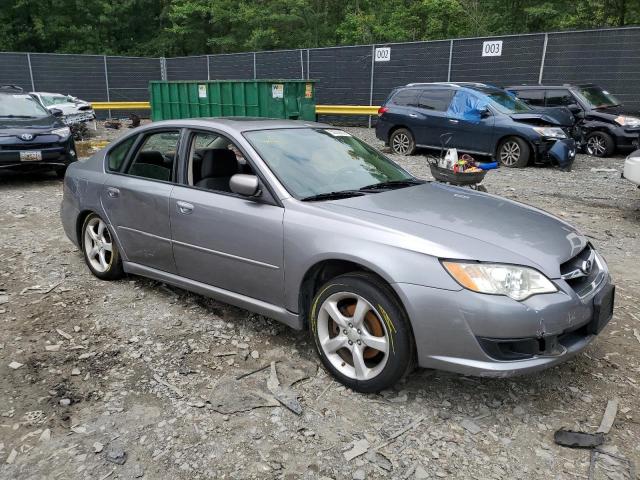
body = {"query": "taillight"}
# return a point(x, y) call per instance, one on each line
point(382, 110)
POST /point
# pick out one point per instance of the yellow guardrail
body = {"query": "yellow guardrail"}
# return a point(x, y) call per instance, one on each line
point(346, 110)
point(320, 109)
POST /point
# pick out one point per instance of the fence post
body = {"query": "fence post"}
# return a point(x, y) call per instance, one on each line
point(308, 71)
point(33, 85)
point(544, 55)
point(301, 66)
point(255, 73)
point(163, 68)
point(373, 57)
point(450, 60)
point(106, 80)
point(208, 71)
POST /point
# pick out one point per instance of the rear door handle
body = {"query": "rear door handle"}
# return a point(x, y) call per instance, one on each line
point(113, 192)
point(413, 115)
point(453, 120)
point(184, 207)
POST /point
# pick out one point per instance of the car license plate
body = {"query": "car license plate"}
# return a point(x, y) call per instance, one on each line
point(30, 156)
point(602, 309)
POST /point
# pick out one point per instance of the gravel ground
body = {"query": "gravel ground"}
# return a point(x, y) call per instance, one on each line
point(138, 372)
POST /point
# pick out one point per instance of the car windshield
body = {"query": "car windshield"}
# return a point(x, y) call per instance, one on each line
point(49, 100)
point(21, 106)
point(596, 97)
point(316, 161)
point(507, 103)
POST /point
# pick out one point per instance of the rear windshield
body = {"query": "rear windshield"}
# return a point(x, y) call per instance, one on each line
point(21, 106)
point(596, 97)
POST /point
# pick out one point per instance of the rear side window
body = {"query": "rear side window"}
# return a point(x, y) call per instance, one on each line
point(532, 97)
point(155, 158)
point(407, 97)
point(559, 98)
point(437, 99)
point(116, 156)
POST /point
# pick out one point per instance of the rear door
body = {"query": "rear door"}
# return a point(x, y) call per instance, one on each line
point(535, 98)
point(434, 122)
point(136, 196)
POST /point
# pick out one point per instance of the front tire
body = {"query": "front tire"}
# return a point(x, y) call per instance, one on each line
point(100, 250)
point(402, 142)
point(514, 152)
point(600, 144)
point(361, 332)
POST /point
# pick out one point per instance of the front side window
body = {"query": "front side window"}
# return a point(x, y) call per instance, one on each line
point(155, 158)
point(315, 161)
point(21, 106)
point(213, 160)
point(559, 98)
point(436, 99)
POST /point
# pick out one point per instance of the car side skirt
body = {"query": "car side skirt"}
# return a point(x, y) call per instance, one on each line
point(242, 301)
point(477, 152)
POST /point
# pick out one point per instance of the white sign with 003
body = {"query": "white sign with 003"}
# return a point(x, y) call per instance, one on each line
point(492, 48)
point(383, 54)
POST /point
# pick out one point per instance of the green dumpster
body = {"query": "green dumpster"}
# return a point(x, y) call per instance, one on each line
point(289, 99)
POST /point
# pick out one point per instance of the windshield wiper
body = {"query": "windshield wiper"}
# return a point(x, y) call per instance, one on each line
point(333, 195)
point(393, 184)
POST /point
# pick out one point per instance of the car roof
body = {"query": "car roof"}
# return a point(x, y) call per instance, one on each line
point(480, 87)
point(239, 124)
point(548, 87)
point(50, 93)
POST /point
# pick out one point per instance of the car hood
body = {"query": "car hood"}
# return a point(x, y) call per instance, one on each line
point(557, 116)
point(611, 113)
point(470, 225)
point(15, 126)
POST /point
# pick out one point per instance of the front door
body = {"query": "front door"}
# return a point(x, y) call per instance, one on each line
point(136, 199)
point(221, 238)
point(470, 131)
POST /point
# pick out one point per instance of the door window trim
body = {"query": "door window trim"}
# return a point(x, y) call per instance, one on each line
point(185, 157)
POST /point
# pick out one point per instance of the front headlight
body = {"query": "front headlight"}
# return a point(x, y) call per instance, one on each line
point(626, 121)
point(550, 132)
point(514, 281)
point(63, 132)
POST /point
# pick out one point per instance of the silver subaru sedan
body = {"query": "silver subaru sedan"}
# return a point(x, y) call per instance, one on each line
point(306, 224)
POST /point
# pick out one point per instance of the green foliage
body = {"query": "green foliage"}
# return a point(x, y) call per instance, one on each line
point(189, 27)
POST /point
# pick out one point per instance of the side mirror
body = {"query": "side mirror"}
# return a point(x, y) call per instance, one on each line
point(245, 185)
point(56, 112)
point(484, 112)
point(574, 107)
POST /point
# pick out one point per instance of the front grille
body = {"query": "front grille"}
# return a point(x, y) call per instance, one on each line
point(584, 272)
point(29, 146)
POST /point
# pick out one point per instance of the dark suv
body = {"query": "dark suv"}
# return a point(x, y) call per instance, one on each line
point(606, 124)
point(31, 136)
point(480, 119)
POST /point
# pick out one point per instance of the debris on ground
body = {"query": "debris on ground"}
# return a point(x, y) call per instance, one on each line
point(572, 439)
point(360, 447)
point(116, 455)
point(284, 395)
point(609, 416)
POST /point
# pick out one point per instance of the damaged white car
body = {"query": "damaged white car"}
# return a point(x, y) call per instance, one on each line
point(73, 109)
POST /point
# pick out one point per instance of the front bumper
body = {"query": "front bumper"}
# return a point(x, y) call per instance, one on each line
point(627, 138)
point(455, 330)
point(53, 154)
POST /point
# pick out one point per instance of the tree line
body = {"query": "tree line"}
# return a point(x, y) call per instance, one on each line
point(192, 27)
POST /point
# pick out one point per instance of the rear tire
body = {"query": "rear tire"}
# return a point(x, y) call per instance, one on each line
point(600, 144)
point(101, 253)
point(361, 332)
point(402, 142)
point(514, 152)
point(60, 172)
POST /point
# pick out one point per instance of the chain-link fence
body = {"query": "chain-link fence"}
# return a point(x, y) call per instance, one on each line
point(356, 75)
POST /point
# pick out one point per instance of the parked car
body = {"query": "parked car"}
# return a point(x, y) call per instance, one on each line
point(73, 109)
point(632, 168)
point(304, 223)
point(32, 136)
point(482, 119)
point(607, 125)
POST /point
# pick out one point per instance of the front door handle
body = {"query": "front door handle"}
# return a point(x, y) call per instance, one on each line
point(453, 120)
point(184, 207)
point(113, 192)
point(413, 115)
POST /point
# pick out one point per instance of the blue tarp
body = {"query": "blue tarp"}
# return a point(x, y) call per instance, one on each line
point(466, 106)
